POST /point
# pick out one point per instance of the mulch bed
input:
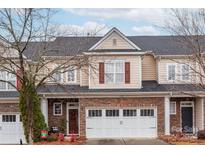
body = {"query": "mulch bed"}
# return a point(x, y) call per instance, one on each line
point(176, 140)
point(59, 143)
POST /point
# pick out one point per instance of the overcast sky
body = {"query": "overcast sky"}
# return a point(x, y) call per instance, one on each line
point(129, 21)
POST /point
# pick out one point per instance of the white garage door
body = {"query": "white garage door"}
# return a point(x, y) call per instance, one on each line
point(11, 129)
point(114, 123)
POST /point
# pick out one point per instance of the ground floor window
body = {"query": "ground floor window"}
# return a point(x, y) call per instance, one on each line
point(57, 109)
point(172, 108)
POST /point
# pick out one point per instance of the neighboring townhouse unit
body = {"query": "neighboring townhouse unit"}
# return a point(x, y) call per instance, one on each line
point(134, 89)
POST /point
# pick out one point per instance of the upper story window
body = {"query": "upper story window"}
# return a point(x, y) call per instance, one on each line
point(57, 76)
point(114, 42)
point(184, 72)
point(5, 76)
point(71, 75)
point(171, 72)
point(114, 71)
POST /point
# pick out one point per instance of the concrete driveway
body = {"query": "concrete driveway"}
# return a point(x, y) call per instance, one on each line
point(125, 141)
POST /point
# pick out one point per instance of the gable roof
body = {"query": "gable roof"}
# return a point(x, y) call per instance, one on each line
point(114, 29)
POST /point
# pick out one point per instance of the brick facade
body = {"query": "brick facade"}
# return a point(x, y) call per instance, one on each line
point(175, 120)
point(122, 102)
point(9, 107)
point(56, 120)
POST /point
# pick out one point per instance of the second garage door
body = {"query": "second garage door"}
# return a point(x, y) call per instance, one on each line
point(114, 123)
point(11, 129)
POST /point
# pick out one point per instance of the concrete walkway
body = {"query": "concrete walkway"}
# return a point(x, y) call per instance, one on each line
point(125, 141)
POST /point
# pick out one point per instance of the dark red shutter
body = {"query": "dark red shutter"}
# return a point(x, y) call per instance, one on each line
point(127, 72)
point(101, 73)
point(18, 80)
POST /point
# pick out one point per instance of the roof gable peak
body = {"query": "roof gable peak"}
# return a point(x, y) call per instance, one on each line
point(109, 33)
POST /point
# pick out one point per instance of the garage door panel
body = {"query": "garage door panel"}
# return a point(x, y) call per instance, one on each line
point(128, 124)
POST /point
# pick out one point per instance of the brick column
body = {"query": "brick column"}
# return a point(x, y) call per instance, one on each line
point(166, 116)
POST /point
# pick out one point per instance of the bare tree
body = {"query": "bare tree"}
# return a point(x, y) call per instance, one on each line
point(188, 28)
point(25, 41)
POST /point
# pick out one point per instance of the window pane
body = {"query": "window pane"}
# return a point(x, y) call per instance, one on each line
point(2, 85)
point(71, 75)
point(109, 77)
point(10, 86)
point(119, 67)
point(57, 77)
point(112, 113)
point(94, 113)
point(57, 109)
point(109, 67)
point(171, 72)
point(185, 72)
point(172, 108)
point(2, 75)
point(11, 76)
point(147, 112)
point(8, 118)
point(129, 113)
point(119, 77)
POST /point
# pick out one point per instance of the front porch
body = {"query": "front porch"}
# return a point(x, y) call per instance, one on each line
point(184, 114)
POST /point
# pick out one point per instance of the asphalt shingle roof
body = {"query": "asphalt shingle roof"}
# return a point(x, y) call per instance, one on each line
point(147, 86)
point(69, 46)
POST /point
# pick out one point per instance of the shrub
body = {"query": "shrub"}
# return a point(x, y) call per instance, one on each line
point(201, 134)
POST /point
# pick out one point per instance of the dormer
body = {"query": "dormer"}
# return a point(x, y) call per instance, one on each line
point(114, 39)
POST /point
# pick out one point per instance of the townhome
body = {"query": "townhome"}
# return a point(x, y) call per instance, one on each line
point(136, 87)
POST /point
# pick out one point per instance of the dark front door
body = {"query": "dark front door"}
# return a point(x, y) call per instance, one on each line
point(73, 121)
point(187, 119)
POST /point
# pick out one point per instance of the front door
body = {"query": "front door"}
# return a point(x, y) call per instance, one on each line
point(73, 121)
point(187, 119)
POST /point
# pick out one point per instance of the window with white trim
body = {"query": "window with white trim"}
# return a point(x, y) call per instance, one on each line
point(5, 76)
point(171, 72)
point(114, 71)
point(129, 112)
point(57, 76)
point(94, 113)
point(147, 112)
point(185, 72)
point(172, 108)
point(112, 113)
point(71, 75)
point(57, 109)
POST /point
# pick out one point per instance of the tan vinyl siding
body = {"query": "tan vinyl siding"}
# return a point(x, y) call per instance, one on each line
point(135, 72)
point(149, 71)
point(84, 76)
point(50, 67)
point(120, 44)
point(162, 71)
